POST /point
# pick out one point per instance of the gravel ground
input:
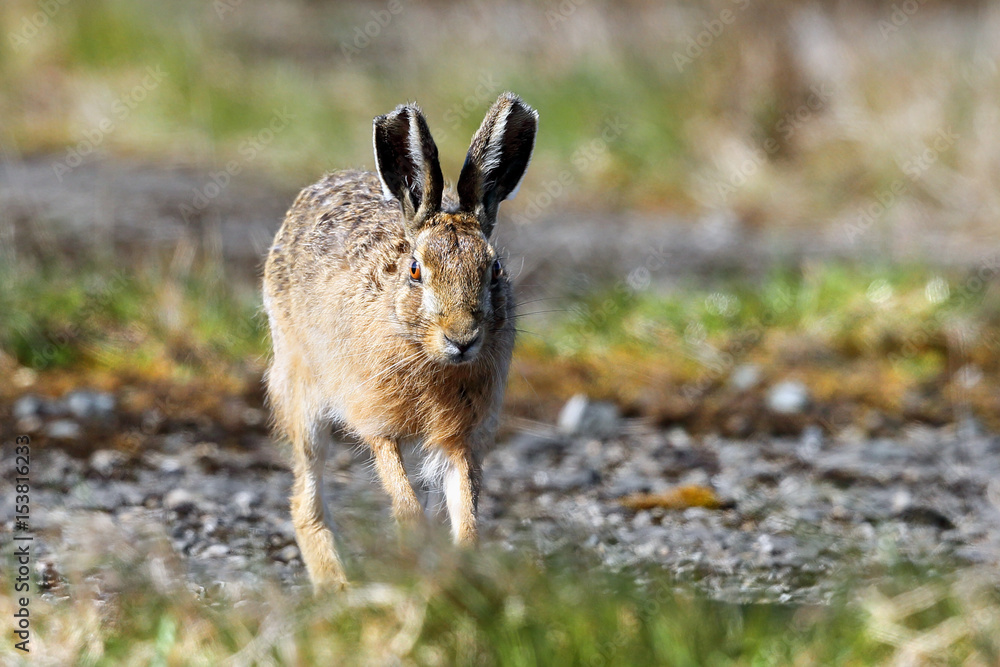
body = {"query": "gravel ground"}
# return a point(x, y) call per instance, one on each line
point(794, 516)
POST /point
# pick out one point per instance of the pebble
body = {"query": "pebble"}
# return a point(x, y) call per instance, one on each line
point(26, 406)
point(90, 405)
point(244, 501)
point(105, 461)
point(63, 429)
point(745, 377)
point(788, 397)
point(581, 416)
point(215, 551)
point(287, 554)
point(180, 500)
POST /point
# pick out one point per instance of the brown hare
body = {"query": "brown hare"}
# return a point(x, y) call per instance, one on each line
point(391, 314)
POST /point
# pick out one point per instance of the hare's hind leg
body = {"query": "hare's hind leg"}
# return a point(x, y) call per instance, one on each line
point(300, 420)
point(389, 464)
point(309, 516)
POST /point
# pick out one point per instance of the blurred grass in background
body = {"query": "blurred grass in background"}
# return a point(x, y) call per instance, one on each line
point(849, 120)
point(875, 347)
point(789, 113)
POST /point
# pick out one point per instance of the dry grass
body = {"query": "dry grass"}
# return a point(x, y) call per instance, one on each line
point(796, 116)
point(493, 609)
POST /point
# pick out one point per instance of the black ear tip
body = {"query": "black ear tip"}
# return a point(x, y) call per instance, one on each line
point(517, 105)
point(403, 111)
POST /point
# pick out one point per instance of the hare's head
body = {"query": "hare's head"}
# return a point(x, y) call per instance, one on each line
point(453, 294)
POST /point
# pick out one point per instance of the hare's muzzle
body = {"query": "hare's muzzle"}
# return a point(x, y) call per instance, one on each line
point(462, 347)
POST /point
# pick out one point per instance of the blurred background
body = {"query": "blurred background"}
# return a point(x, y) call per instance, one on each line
point(754, 222)
point(696, 161)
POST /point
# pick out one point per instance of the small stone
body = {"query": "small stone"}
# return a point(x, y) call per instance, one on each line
point(31, 424)
point(244, 501)
point(581, 416)
point(24, 377)
point(91, 405)
point(788, 397)
point(744, 377)
point(811, 442)
point(253, 417)
point(104, 461)
point(26, 406)
point(902, 499)
point(170, 465)
point(180, 501)
point(678, 438)
point(215, 551)
point(63, 429)
point(287, 554)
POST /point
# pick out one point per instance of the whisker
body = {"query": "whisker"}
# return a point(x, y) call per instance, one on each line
point(541, 298)
point(539, 312)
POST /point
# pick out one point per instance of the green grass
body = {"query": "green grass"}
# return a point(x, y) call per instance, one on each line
point(835, 302)
point(87, 318)
point(895, 340)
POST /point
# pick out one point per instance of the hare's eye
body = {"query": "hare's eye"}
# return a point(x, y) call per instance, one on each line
point(497, 270)
point(415, 271)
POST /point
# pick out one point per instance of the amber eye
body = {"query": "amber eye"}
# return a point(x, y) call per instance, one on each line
point(415, 271)
point(497, 270)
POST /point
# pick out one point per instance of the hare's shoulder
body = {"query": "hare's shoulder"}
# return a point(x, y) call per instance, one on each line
point(346, 215)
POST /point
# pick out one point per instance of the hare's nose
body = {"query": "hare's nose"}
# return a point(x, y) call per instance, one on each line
point(463, 344)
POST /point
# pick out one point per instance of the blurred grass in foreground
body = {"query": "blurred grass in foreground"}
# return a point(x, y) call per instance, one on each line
point(875, 347)
point(493, 609)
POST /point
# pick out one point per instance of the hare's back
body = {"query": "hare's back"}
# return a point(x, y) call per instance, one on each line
point(341, 222)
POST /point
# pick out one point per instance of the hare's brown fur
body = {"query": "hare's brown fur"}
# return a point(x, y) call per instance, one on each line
point(361, 342)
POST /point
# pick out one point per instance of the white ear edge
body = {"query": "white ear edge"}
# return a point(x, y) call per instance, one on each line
point(416, 152)
point(386, 193)
point(494, 149)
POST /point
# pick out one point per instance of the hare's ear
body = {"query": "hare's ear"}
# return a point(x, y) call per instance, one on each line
point(406, 159)
point(497, 159)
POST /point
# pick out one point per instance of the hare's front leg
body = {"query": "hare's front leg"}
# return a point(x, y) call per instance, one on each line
point(389, 464)
point(312, 529)
point(462, 481)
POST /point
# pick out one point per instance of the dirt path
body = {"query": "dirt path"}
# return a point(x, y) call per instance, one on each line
point(796, 516)
point(142, 209)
